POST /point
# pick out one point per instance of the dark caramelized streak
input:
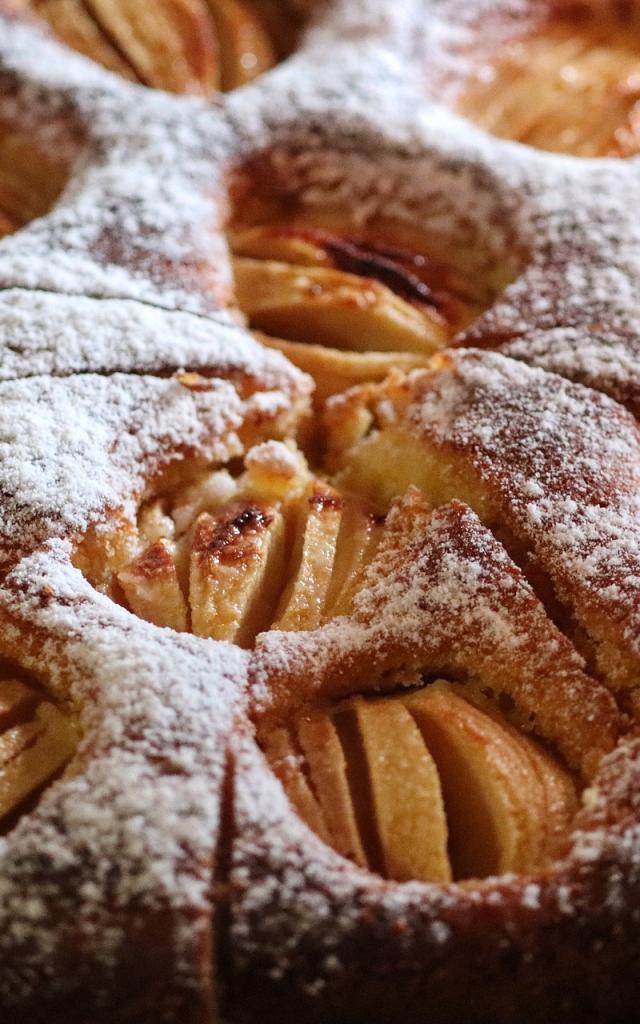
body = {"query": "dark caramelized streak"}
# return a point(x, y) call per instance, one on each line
point(230, 539)
point(390, 265)
point(368, 261)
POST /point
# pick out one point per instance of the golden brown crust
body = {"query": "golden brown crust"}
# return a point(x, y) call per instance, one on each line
point(441, 592)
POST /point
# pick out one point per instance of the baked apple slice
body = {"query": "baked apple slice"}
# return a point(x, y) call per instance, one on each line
point(184, 46)
point(235, 558)
point(426, 786)
point(228, 557)
point(558, 785)
point(36, 742)
point(332, 308)
point(583, 73)
point(30, 179)
point(74, 25)
point(406, 794)
point(170, 45)
point(287, 762)
point(334, 782)
point(499, 790)
point(318, 525)
point(211, 555)
point(333, 370)
point(152, 589)
point(346, 308)
point(360, 533)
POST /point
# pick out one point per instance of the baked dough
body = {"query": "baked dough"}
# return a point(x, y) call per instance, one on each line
point(319, 682)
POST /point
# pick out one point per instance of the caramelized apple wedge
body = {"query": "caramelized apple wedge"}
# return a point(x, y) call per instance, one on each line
point(334, 370)
point(558, 785)
point(286, 763)
point(426, 786)
point(184, 46)
point(329, 770)
point(151, 587)
point(74, 25)
point(360, 534)
point(236, 559)
point(406, 795)
point(31, 753)
point(298, 246)
point(319, 516)
point(211, 556)
point(584, 74)
point(333, 308)
point(345, 305)
point(384, 254)
point(229, 556)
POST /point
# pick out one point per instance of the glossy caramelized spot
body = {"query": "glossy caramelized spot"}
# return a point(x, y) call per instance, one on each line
point(183, 46)
point(233, 559)
point(572, 85)
point(385, 265)
point(230, 538)
point(425, 786)
point(154, 561)
point(319, 500)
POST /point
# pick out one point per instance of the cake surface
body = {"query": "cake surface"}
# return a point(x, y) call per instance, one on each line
point(320, 527)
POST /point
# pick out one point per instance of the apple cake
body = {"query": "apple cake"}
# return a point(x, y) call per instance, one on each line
point(320, 512)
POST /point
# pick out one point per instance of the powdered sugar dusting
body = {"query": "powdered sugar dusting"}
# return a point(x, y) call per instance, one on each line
point(107, 888)
point(508, 426)
point(61, 335)
point(443, 598)
point(308, 928)
point(127, 845)
point(74, 449)
point(119, 229)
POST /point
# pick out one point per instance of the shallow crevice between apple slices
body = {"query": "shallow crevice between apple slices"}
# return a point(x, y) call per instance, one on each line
point(230, 552)
point(425, 786)
point(183, 46)
point(349, 304)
